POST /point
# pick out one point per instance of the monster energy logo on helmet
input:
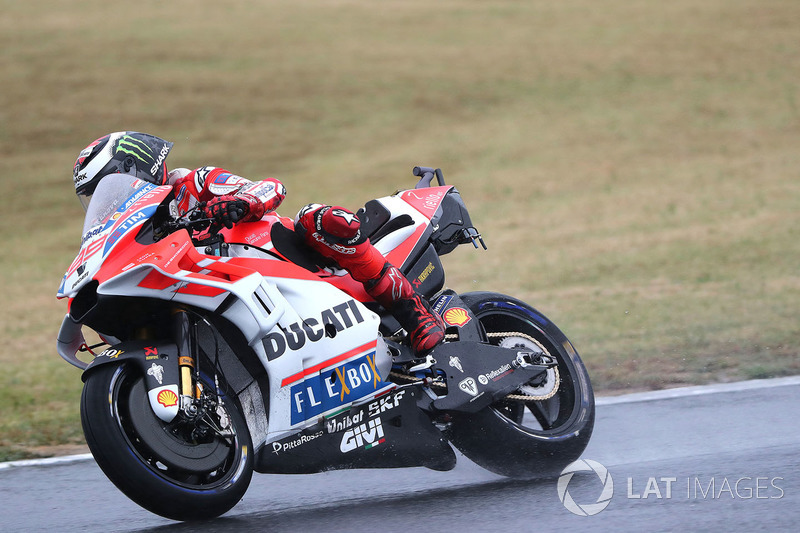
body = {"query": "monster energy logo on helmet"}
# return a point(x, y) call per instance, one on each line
point(136, 147)
point(144, 149)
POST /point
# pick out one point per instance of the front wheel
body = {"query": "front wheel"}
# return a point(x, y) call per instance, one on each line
point(517, 436)
point(184, 470)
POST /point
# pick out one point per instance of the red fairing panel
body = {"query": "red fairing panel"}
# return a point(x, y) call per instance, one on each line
point(426, 201)
point(257, 233)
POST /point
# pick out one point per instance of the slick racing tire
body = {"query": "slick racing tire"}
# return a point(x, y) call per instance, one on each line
point(169, 469)
point(528, 439)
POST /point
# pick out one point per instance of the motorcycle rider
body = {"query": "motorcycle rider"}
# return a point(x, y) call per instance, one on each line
point(229, 199)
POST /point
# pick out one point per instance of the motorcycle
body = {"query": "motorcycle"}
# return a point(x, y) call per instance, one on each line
point(228, 351)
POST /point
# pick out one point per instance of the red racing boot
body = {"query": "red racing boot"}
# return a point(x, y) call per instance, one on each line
point(394, 292)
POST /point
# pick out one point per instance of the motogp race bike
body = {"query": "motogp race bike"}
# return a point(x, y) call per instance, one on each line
point(225, 352)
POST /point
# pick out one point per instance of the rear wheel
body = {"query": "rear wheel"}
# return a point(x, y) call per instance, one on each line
point(547, 423)
point(184, 470)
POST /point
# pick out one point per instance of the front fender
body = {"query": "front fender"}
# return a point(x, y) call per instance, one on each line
point(158, 362)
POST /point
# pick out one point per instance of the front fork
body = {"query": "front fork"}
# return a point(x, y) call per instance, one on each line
point(197, 404)
point(185, 337)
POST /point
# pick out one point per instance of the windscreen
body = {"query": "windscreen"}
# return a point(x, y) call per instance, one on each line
point(110, 193)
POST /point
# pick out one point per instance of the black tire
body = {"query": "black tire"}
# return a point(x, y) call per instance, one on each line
point(555, 431)
point(150, 461)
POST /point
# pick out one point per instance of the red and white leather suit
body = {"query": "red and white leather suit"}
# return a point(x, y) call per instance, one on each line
point(206, 184)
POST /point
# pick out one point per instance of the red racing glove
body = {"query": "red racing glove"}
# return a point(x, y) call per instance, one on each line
point(226, 210)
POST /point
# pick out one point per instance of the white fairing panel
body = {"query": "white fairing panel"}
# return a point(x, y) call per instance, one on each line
point(397, 206)
point(322, 357)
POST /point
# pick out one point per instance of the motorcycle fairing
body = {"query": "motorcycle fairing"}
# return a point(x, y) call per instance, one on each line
point(387, 432)
point(291, 334)
point(257, 233)
point(112, 230)
point(426, 200)
point(323, 354)
point(261, 297)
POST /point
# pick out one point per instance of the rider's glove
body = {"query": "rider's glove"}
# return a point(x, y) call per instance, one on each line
point(227, 210)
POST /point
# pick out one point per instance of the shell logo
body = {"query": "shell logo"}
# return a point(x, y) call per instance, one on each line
point(456, 316)
point(167, 398)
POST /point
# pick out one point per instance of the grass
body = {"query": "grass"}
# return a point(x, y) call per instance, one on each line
point(632, 165)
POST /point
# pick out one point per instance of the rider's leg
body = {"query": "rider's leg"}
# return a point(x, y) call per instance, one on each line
point(336, 233)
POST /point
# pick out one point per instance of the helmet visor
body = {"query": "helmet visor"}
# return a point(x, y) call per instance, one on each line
point(84, 199)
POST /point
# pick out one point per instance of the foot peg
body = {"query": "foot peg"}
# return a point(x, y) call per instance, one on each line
point(423, 364)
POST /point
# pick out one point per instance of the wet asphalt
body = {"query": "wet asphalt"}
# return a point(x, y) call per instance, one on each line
point(706, 458)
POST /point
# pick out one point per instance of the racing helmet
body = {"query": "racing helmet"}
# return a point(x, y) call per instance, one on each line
point(124, 152)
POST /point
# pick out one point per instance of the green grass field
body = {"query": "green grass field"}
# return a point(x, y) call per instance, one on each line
point(632, 164)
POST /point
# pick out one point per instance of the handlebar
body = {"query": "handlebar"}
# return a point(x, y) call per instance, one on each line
point(202, 229)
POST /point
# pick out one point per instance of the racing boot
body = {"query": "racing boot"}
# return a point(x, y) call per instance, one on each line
point(394, 292)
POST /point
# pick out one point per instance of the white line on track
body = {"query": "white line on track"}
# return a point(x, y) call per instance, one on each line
point(665, 394)
point(47, 461)
point(683, 392)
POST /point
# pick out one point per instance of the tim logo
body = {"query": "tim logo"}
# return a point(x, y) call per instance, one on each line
point(366, 435)
point(129, 222)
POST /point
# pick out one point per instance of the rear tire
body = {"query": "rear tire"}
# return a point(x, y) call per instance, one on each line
point(158, 465)
point(528, 439)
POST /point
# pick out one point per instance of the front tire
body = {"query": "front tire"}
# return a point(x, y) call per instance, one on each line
point(165, 468)
point(533, 438)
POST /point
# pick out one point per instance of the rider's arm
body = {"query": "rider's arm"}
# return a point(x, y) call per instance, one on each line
point(206, 183)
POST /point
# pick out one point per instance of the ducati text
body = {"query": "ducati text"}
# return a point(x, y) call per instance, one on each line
point(294, 337)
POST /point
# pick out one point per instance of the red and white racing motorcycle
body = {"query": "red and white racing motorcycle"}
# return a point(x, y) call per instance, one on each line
point(241, 350)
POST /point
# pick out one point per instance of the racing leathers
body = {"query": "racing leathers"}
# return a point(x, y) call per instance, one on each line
point(228, 198)
point(334, 232)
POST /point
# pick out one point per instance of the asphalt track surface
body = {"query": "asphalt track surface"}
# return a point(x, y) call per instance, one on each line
point(722, 458)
